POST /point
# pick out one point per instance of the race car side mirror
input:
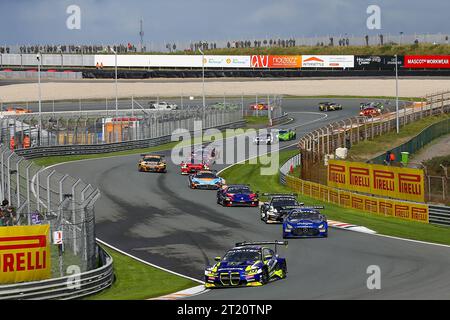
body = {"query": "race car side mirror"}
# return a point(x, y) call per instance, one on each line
point(218, 259)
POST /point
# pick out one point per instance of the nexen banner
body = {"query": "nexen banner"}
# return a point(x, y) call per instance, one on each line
point(24, 254)
point(386, 181)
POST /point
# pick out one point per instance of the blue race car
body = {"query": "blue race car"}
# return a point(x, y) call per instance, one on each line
point(306, 222)
point(206, 180)
point(237, 195)
point(248, 264)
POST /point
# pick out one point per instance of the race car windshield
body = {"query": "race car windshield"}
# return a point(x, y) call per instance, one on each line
point(206, 176)
point(298, 215)
point(284, 202)
point(152, 159)
point(241, 256)
point(283, 132)
point(244, 190)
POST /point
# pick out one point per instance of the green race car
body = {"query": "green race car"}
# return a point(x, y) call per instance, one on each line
point(287, 135)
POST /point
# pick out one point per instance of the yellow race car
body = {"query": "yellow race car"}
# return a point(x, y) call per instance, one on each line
point(152, 163)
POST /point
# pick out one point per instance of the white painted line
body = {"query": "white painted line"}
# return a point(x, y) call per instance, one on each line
point(191, 292)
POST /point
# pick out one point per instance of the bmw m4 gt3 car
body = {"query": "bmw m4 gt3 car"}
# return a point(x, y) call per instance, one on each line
point(152, 163)
point(247, 264)
point(329, 106)
point(286, 135)
point(279, 205)
point(305, 223)
point(237, 195)
point(206, 180)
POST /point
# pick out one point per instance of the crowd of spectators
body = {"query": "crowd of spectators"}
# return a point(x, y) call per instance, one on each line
point(7, 215)
point(75, 49)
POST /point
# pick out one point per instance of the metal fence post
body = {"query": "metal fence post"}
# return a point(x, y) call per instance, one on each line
point(48, 191)
point(28, 192)
point(74, 231)
point(8, 172)
point(61, 195)
point(18, 181)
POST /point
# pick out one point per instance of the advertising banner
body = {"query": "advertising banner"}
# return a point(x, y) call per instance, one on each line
point(24, 254)
point(427, 62)
point(394, 182)
point(344, 61)
point(181, 61)
point(227, 62)
point(386, 207)
point(377, 62)
point(276, 62)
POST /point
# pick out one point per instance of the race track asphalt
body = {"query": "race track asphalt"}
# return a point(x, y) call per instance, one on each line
point(157, 218)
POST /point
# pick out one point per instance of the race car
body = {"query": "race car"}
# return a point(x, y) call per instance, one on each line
point(370, 111)
point(278, 207)
point(259, 106)
point(199, 160)
point(329, 106)
point(206, 180)
point(18, 110)
point(377, 105)
point(286, 135)
point(247, 264)
point(152, 163)
point(264, 139)
point(237, 195)
point(306, 222)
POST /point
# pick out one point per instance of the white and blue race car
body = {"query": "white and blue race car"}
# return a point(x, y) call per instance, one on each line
point(208, 180)
point(306, 222)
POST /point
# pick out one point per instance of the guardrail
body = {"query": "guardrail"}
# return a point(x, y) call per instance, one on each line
point(70, 287)
point(439, 215)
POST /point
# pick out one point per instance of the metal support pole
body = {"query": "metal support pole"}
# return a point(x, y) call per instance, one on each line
point(48, 191)
point(61, 195)
point(8, 172)
point(74, 231)
point(396, 95)
point(18, 181)
point(28, 192)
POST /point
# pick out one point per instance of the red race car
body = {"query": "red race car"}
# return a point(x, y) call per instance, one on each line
point(370, 111)
point(259, 106)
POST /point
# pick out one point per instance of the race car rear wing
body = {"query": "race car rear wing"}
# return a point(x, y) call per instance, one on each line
point(280, 194)
point(152, 154)
point(275, 243)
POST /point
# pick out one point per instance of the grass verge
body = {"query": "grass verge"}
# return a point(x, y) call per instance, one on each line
point(250, 174)
point(369, 149)
point(138, 281)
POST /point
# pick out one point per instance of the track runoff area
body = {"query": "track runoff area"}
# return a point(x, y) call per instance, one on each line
point(159, 219)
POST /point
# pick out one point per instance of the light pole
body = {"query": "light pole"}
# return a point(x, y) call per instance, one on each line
point(401, 37)
point(203, 81)
point(38, 57)
point(117, 105)
point(396, 95)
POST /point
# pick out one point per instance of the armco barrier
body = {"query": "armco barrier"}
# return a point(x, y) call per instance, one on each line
point(387, 207)
point(69, 287)
point(440, 215)
point(39, 152)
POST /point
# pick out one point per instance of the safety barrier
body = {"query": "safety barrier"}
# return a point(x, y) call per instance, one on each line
point(386, 207)
point(70, 287)
point(439, 215)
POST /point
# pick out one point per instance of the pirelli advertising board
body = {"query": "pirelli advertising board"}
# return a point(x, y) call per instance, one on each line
point(381, 206)
point(24, 254)
point(386, 181)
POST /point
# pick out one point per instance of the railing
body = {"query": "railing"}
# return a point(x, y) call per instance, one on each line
point(64, 288)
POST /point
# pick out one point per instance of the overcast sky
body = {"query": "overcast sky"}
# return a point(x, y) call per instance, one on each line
point(114, 21)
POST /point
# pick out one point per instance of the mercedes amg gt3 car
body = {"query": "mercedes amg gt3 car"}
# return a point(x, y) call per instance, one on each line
point(305, 223)
point(278, 206)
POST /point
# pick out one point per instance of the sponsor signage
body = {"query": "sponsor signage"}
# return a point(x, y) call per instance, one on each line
point(386, 207)
point(427, 62)
point(386, 181)
point(377, 62)
point(227, 61)
point(276, 62)
point(344, 61)
point(58, 237)
point(24, 254)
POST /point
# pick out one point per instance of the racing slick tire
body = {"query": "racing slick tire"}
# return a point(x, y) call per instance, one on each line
point(264, 276)
point(283, 268)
